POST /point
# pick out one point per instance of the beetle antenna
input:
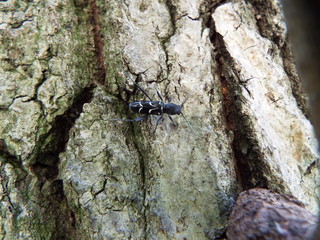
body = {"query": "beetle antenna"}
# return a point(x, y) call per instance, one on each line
point(159, 95)
point(184, 102)
point(186, 120)
point(140, 88)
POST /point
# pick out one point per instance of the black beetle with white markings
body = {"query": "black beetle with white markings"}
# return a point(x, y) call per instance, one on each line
point(153, 108)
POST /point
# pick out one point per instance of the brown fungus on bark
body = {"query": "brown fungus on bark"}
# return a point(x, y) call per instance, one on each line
point(263, 214)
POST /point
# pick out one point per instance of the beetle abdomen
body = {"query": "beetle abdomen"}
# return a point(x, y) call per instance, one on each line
point(147, 107)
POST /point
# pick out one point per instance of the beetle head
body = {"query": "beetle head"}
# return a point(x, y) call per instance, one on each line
point(172, 109)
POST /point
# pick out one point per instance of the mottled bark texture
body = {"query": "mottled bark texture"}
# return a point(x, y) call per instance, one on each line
point(69, 173)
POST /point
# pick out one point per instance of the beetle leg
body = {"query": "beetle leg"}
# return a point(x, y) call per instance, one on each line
point(158, 121)
point(171, 120)
point(130, 120)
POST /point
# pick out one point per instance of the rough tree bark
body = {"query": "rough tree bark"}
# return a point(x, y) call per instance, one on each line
point(69, 173)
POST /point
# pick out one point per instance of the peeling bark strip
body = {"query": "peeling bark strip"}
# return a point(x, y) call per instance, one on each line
point(272, 139)
point(277, 34)
point(98, 43)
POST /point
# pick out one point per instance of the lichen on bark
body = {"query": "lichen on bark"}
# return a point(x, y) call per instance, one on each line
point(42, 75)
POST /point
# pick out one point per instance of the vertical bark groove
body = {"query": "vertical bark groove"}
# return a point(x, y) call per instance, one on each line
point(98, 44)
point(251, 168)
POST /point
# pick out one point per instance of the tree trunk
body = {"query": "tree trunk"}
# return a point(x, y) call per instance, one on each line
point(68, 172)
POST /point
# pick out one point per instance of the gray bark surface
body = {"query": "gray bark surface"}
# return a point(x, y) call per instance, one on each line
point(67, 172)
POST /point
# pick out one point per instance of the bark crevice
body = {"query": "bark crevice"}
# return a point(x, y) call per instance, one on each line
point(46, 164)
point(252, 170)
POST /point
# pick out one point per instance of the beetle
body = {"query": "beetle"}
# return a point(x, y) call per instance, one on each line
point(151, 107)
